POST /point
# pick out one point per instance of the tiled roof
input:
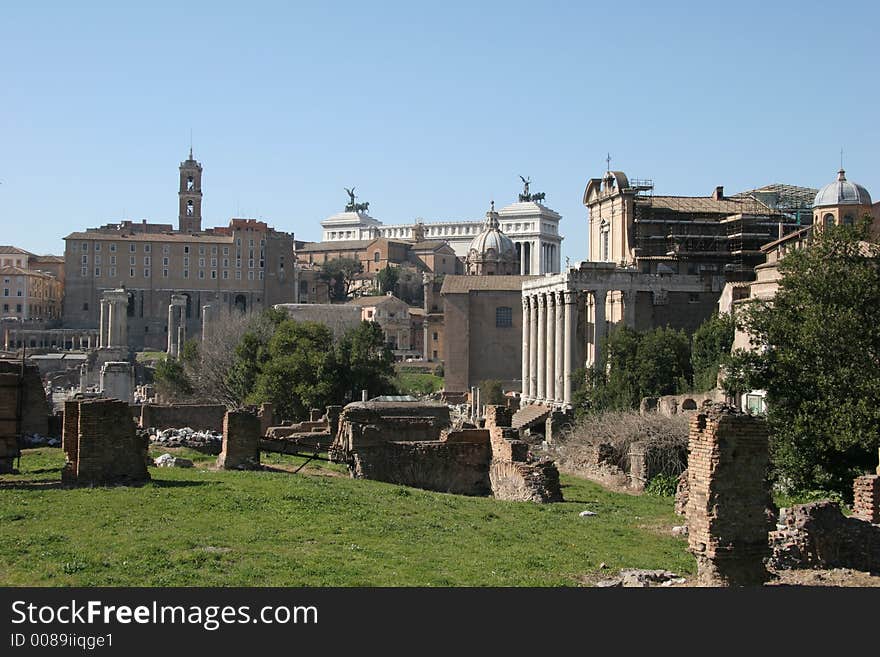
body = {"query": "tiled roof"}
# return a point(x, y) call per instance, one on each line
point(6, 249)
point(150, 237)
point(454, 284)
point(341, 245)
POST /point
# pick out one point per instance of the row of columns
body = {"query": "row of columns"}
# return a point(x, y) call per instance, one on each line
point(537, 256)
point(549, 342)
point(48, 339)
point(113, 330)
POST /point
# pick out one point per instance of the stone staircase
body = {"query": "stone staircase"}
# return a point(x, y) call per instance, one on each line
point(530, 416)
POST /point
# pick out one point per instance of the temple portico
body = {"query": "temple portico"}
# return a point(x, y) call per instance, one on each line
point(567, 316)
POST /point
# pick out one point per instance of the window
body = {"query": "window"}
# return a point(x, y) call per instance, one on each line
point(6, 307)
point(201, 274)
point(146, 273)
point(6, 292)
point(131, 273)
point(97, 260)
point(250, 275)
point(85, 259)
point(164, 262)
point(86, 305)
point(376, 257)
point(261, 275)
point(201, 262)
point(97, 247)
point(238, 275)
point(112, 260)
point(225, 274)
point(213, 273)
point(186, 261)
point(112, 272)
point(132, 248)
point(18, 293)
point(213, 262)
point(848, 220)
point(147, 261)
point(85, 271)
point(166, 249)
point(828, 219)
point(503, 317)
point(186, 273)
point(164, 273)
point(225, 262)
point(435, 337)
point(213, 250)
point(186, 249)
point(201, 250)
point(226, 250)
point(132, 260)
point(85, 246)
point(18, 307)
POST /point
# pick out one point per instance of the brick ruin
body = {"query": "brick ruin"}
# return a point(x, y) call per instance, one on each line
point(101, 444)
point(818, 535)
point(316, 434)
point(729, 511)
point(241, 441)
point(866, 498)
point(412, 444)
point(23, 409)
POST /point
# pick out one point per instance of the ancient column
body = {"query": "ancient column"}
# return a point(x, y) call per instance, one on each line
point(102, 327)
point(600, 325)
point(533, 348)
point(550, 382)
point(111, 324)
point(206, 311)
point(559, 351)
point(526, 322)
point(542, 347)
point(629, 308)
point(570, 298)
point(172, 330)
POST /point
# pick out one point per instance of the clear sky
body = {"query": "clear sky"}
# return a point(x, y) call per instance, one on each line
point(430, 109)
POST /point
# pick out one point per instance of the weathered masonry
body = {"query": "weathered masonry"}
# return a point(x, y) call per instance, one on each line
point(101, 444)
point(729, 511)
point(23, 409)
point(567, 316)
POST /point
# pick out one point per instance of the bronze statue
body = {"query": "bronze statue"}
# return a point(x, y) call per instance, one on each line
point(526, 183)
point(351, 205)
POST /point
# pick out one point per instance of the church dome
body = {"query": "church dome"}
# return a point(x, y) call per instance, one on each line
point(492, 251)
point(842, 192)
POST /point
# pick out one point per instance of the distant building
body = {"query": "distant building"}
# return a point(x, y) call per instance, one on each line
point(32, 289)
point(393, 316)
point(246, 265)
point(533, 228)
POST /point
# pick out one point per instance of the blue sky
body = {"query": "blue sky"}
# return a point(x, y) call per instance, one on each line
point(430, 109)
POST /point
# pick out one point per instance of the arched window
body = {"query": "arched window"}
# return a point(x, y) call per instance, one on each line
point(376, 256)
point(828, 219)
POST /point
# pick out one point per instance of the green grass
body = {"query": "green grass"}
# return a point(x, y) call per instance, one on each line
point(143, 356)
point(200, 527)
point(414, 382)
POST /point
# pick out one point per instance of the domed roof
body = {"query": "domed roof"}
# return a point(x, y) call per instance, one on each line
point(491, 238)
point(842, 192)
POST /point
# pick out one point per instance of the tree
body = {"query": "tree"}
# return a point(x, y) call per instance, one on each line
point(387, 279)
point(710, 349)
point(171, 380)
point(817, 354)
point(366, 362)
point(340, 274)
point(491, 392)
point(634, 365)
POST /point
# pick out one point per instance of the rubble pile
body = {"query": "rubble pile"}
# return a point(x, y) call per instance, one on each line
point(209, 442)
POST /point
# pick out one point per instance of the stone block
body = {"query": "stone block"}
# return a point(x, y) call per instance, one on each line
point(241, 441)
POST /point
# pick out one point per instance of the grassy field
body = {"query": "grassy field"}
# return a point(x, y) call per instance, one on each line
point(200, 526)
point(418, 382)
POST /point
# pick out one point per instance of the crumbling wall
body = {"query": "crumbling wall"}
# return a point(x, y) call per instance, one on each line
point(175, 416)
point(34, 407)
point(728, 497)
point(465, 461)
point(9, 432)
point(669, 405)
point(648, 459)
point(241, 441)
point(818, 535)
point(866, 498)
point(102, 445)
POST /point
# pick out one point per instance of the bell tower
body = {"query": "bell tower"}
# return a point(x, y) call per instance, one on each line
point(190, 195)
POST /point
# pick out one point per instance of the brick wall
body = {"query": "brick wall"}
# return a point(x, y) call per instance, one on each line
point(104, 448)
point(176, 416)
point(34, 407)
point(866, 498)
point(9, 390)
point(729, 497)
point(241, 441)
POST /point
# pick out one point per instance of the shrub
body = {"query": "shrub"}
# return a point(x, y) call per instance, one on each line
point(662, 485)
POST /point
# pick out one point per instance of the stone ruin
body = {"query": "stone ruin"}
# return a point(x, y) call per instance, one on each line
point(101, 444)
point(729, 510)
point(24, 410)
point(412, 444)
point(315, 434)
point(241, 442)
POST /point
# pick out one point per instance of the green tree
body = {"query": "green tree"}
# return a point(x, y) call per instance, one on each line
point(387, 279)
point(366, 362)
point(171, 379)
point(634, 365)
point(817, 354)
point(299, 370)
point(340, 274)
point(491, 392)
point(711, 349)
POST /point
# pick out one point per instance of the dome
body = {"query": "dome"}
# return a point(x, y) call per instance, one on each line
point(492, 251)
point(842, 192)
point(491, 238)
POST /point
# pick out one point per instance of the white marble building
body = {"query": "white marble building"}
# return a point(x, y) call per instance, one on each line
point(533, 227)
